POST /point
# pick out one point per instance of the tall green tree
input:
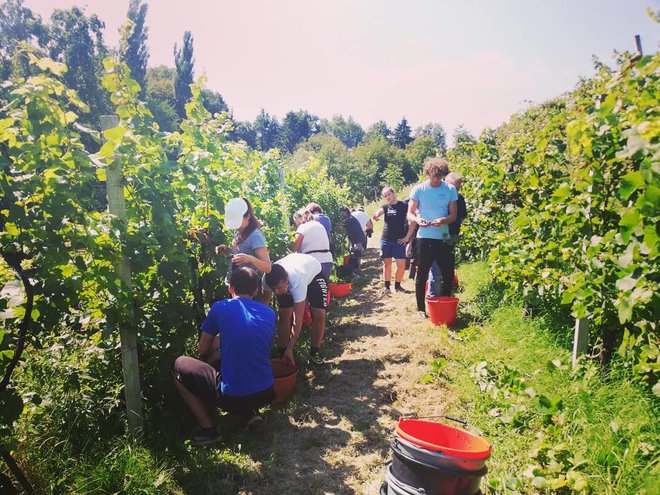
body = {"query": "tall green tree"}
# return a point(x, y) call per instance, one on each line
point(135, 53)
point(18, 24)
point(160, 96)
point(402, 134)
point(380, 128)
point(267, 131)
point(77, 40)
point(347, 131)
point(244, 131)
point(185, 73)
point(296, 127)
point(213, 101)
point(436, 132)
point(463, 139)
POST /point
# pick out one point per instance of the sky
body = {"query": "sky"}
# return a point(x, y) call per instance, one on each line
point(450, 62)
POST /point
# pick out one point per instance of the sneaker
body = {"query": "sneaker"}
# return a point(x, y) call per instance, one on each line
point(401, 290)
point(385, 291)
point(316, 359)
point(255, 423)
point(204, 436)
point(422, 314)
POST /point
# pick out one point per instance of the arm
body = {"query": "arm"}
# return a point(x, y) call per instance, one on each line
point(370, 225)
point(205, 345)
point(295, 247)
point(413, 214)
point(261, 261)
point(451, 218)
point(378, 214)
point(409, 234)
point(298, 312)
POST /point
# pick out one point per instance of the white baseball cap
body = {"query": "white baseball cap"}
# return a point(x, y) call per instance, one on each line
point(235, 209)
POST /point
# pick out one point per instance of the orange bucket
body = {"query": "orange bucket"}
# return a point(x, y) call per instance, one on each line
point(347, 259)
point(284, 375)
point(340, 290)
point(439, 437)
point(442, 310)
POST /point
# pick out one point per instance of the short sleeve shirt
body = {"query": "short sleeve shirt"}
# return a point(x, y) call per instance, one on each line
point(250, 244)
point(325, 221)
point(353, 230)
point(301, 270)
point(362, 217)
point(246, 330)
point(315, 241)
point(394, 217)
point(434, 203)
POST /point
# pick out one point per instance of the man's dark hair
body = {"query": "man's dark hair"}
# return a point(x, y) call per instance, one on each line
point(244, 280)
point(276, 275)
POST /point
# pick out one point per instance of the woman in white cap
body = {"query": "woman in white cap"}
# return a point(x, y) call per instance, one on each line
point(312, 239)
point(249, 244)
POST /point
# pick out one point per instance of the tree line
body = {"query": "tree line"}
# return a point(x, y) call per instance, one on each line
point(366, 159)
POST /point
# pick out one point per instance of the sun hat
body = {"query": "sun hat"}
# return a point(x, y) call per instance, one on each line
point(235, 209)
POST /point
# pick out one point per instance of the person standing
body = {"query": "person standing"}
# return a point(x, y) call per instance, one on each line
point(396, 234)
point(356, 238)
point(365, 223)
point(322, 218)
point(248, 246)
point(297, 279)
point(312, 239)
point(454, 179)
point(244, 329)
point(432, 206)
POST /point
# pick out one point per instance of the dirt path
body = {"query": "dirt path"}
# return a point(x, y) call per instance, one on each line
point(333, 437)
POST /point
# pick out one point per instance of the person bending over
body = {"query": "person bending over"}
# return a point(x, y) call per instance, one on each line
point(295, 280)
point(312, 239)
point(356, 238)
point(432, 206)
point(245, 381)
point(396, 234)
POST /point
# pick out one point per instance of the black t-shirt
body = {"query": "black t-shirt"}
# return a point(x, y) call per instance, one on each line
point(395, 221)
point(353, 230)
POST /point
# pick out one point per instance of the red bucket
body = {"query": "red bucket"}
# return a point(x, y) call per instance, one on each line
point(442, 310)
point(439, 437)
point(285, 375)
point(347, 259)
point(340, 290)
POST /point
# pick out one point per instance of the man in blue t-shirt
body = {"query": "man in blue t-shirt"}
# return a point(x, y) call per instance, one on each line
point(432, 207)
point(244, 330)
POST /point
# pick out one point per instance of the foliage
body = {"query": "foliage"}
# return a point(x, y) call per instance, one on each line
point(347, 131)
point(296, 127)
point(135, 52)
point(184, 76)
point(267, 130)
point(565, 198)
point(437, 134)
point(18, 24)
point(176, 185)
point(380, 128)
point(402, 134)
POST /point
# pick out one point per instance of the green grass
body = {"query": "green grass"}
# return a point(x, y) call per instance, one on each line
point(553, 429)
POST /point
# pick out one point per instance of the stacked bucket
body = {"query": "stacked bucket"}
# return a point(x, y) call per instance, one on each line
point(435, 459)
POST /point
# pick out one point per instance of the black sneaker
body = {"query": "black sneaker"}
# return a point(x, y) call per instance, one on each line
point(316, 359)
point(256, 423)
point(401, 290)
point(204, 436)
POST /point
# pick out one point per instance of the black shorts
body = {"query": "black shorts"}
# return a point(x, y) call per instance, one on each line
point(317, 294)
point(203, 381)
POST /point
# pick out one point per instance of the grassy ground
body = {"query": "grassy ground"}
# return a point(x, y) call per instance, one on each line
point(506, 374)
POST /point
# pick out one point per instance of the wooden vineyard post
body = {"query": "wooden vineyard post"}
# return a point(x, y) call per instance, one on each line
point(127, 333)
point(580, 338)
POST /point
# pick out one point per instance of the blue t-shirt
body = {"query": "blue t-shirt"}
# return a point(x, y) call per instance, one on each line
point(246, 329)
point(325, 221)
point(434, 203)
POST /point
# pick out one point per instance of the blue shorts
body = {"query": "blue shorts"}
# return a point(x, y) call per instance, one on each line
point(392, 249)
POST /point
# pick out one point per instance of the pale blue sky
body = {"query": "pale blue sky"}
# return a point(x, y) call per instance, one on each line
point(451, 62)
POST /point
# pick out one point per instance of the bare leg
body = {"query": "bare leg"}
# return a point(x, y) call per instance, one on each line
point(400, 270)
point(195, 405)
point(284, 322)
point(387, 269)
point(318, 326)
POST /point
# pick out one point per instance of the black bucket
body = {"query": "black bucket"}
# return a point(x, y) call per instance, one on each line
point(414, 468)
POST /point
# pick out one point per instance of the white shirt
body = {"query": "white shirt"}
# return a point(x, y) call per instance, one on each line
point(315, 238)
point(363, 218)
point(301, 270)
